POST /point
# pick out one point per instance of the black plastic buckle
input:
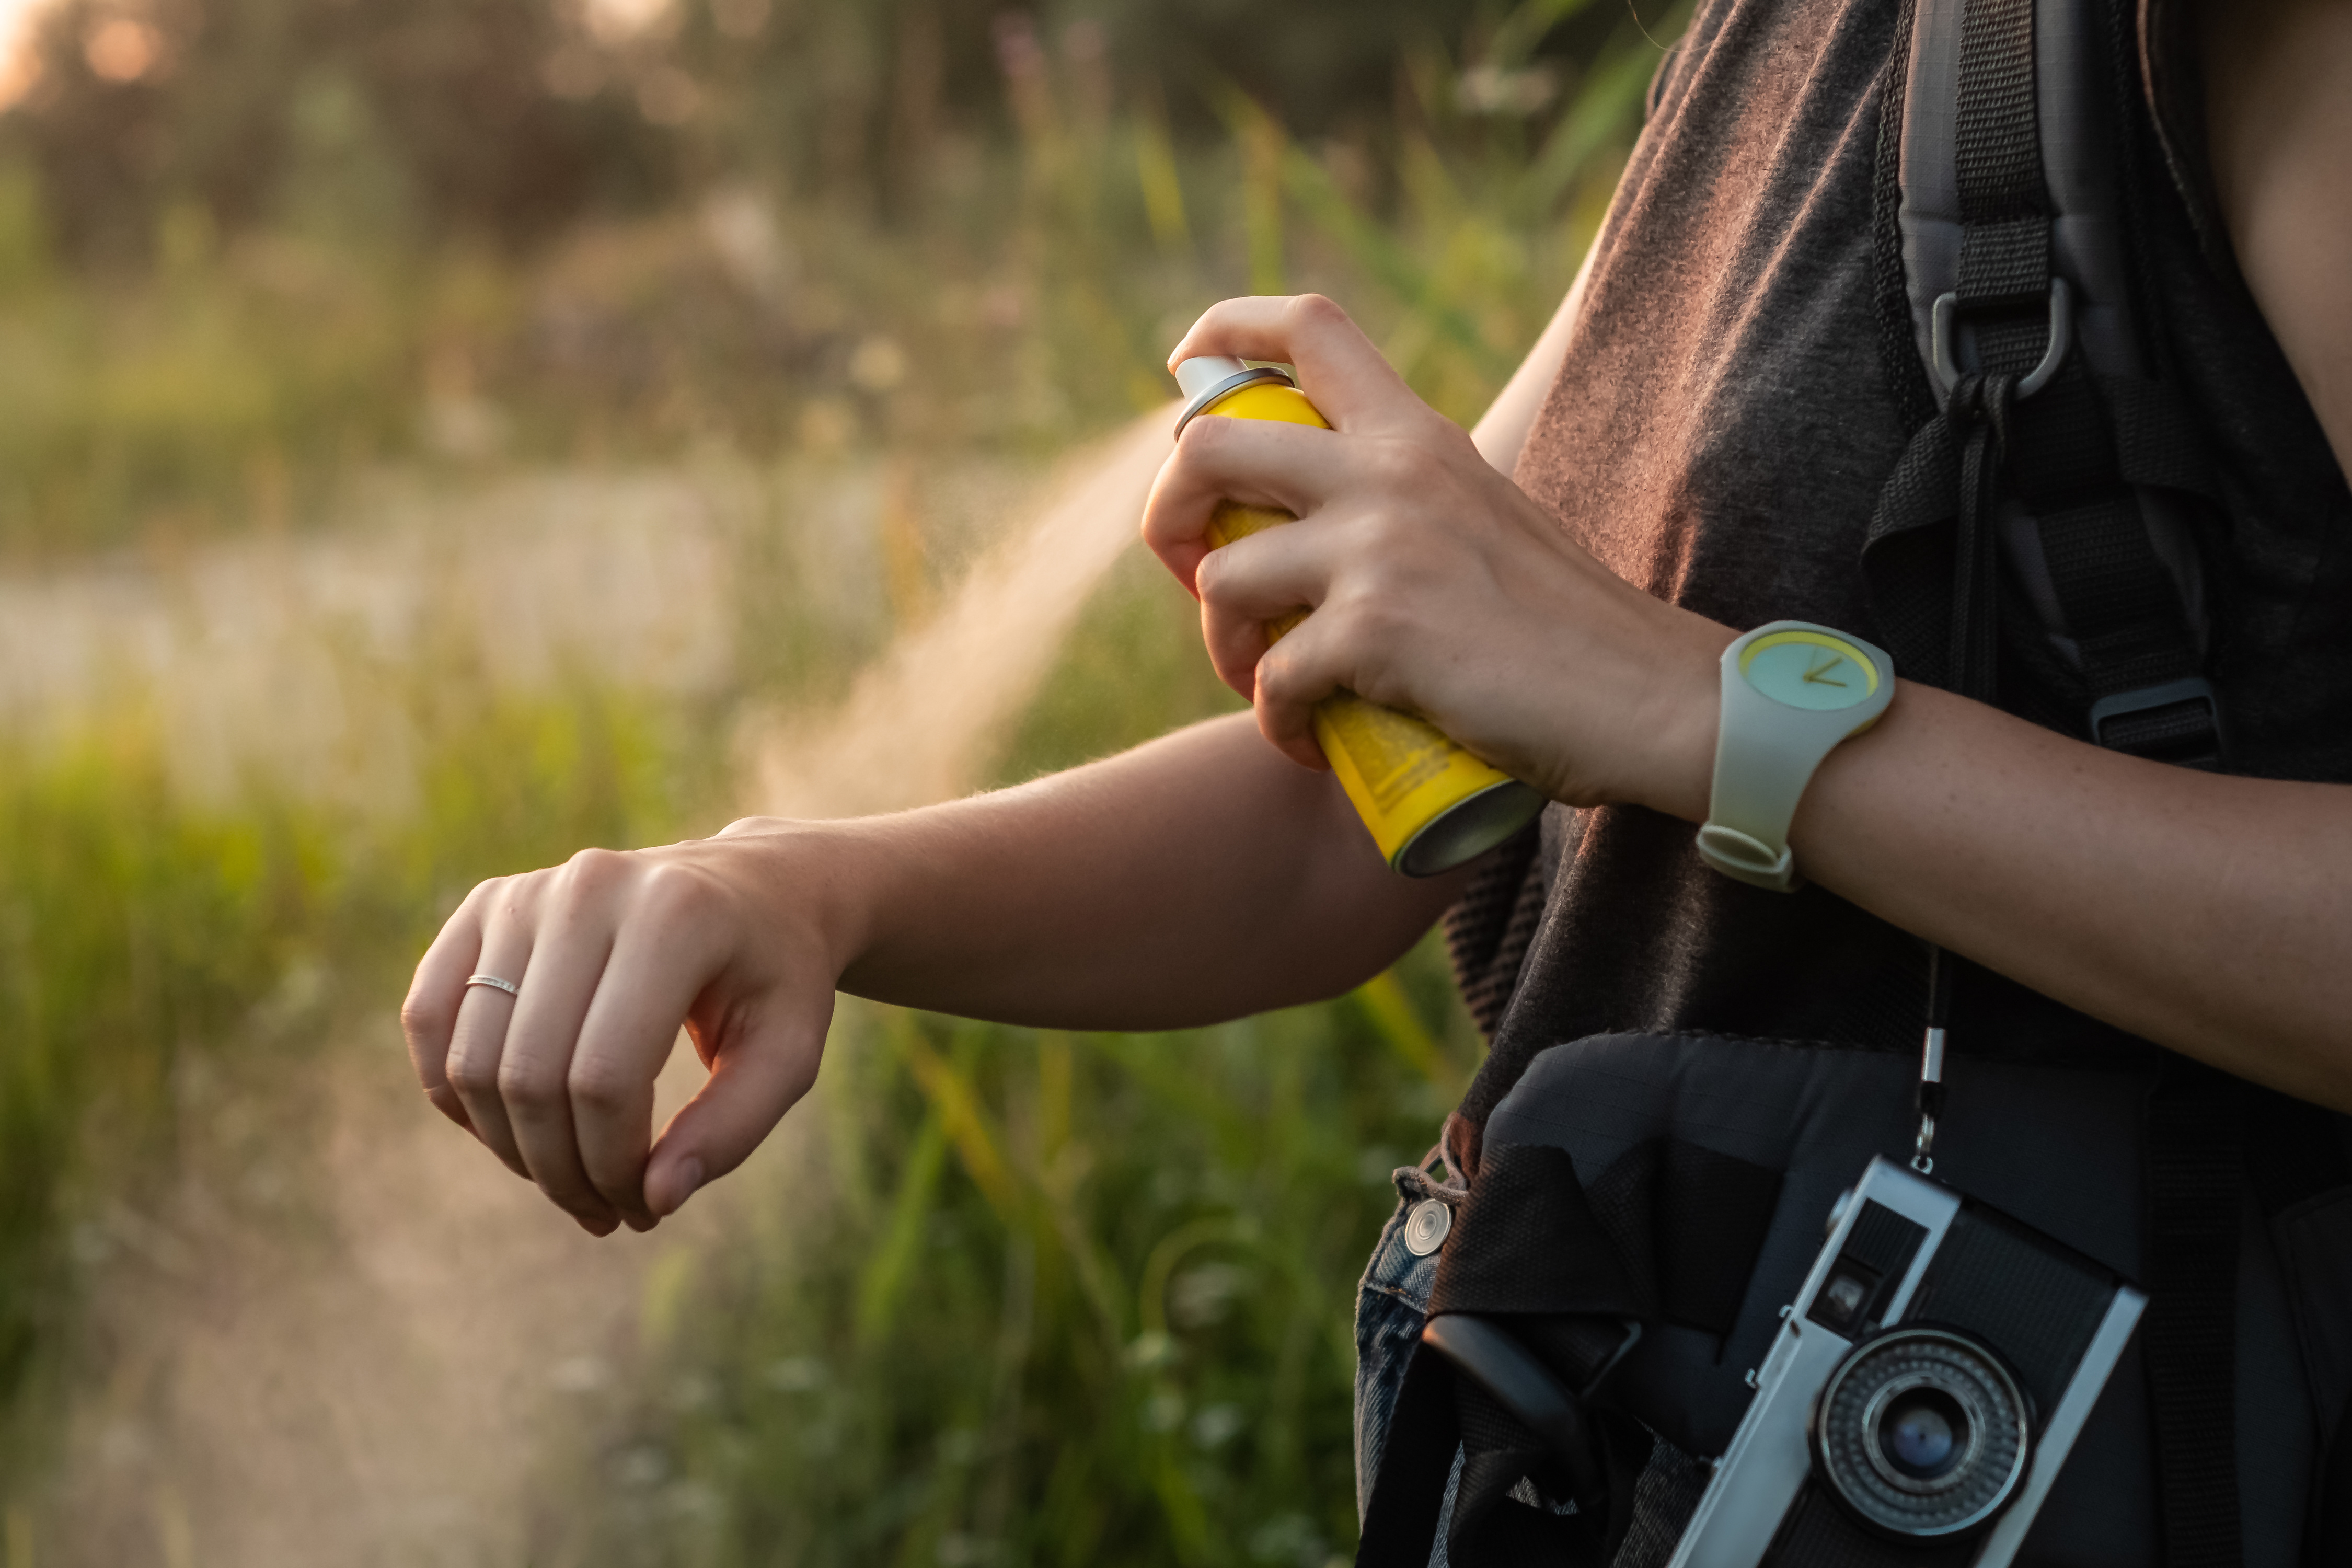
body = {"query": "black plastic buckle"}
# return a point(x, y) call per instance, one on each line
point(1946, 363)
point(2170, 694)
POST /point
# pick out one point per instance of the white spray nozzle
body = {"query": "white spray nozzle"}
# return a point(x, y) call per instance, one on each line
point(1197, 374)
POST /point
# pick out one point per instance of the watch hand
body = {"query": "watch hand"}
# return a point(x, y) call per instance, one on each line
point(1818, 674)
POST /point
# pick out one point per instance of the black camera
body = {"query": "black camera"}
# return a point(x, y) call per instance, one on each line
point(1927, 1387)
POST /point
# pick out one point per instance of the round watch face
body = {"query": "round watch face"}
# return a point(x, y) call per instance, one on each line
point(1815, 671)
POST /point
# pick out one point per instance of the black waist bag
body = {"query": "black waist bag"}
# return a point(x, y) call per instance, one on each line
point(1681, 1185)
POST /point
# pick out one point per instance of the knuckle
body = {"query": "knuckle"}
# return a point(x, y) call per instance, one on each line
point(1315, 309)
point(423, 1017)
point(1236, 642)
point(524, 1085)
point(1383, 537)
point(1278, 678)
point(595, 868)
point(471, 1076)
point(515, 898)
point(498, 898)
point(1407, 466)
point(1208, 577)
point(1204, 438)
point(601, 1087)
point(673, 893)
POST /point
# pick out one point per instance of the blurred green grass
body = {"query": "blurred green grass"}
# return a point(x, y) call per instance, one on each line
point(147, 943)
point(1017, 295)
point(1044, 1298)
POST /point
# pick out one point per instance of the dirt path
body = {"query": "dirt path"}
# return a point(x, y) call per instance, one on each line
point(372, 1380)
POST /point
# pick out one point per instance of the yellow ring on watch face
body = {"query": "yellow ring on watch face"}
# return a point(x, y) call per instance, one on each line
point(1808, 669)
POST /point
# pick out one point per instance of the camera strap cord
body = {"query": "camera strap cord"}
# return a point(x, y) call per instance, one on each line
point(2057, 457)
point(1979, 406)
point(1931, 1059)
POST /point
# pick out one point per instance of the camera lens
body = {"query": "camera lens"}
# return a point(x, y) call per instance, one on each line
point(1924, 1432)
point(1921, 1433)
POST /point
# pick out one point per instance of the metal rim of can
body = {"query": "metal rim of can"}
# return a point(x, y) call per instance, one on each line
point(1426, 1226)
point(1232, 383)
point(1519, 803)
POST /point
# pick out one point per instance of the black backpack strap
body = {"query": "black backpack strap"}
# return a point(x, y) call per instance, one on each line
point(2063, 464)
point(2195, 1186)
point(1544, 1285)
point(1999, 252)
point(2299, 1163)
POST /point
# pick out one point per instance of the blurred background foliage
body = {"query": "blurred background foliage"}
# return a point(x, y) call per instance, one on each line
point(245, 244)
point(1062, 1298)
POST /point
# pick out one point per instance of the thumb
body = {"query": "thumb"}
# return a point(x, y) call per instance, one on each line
point(756, 1075)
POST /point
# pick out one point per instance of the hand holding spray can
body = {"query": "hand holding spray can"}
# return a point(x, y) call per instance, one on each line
point(1430, 805)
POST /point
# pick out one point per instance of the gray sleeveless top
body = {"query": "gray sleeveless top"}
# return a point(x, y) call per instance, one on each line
point(1718, 435)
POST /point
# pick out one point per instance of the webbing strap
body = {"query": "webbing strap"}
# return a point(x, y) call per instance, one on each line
point(2330, 1538)
point(1897, 356)
point(2128, 627)
point(2005, 241)
point(2193, 1197)
point(1979, 407)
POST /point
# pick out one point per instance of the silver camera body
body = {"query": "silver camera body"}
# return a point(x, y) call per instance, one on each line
point(1924, 1391)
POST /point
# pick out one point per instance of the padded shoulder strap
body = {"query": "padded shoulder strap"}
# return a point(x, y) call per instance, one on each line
point(2005, 168)
point(2039, 184)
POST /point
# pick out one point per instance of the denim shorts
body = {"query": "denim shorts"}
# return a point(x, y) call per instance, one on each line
point(1392, 1304)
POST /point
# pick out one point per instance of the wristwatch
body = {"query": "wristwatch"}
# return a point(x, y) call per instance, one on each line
point(1791, 691)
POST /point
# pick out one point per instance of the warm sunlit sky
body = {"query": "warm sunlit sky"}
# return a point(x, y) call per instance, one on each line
point(124, 48)
point(14, 17)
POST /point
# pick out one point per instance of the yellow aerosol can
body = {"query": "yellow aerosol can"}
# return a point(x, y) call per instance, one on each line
point(1430, 805)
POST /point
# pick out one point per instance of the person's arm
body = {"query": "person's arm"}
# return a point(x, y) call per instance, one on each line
point(1198, 878)
point(2209, 914)
point(2278, 80)
point(1195, 878)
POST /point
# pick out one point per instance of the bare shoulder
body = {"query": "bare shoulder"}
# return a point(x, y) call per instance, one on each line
point(2278, 86)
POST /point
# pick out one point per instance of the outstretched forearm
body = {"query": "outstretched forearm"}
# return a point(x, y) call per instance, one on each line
point(1195, 878)
point(1199, 878)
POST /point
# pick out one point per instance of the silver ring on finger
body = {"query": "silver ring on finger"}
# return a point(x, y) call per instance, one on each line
point(509, 986)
